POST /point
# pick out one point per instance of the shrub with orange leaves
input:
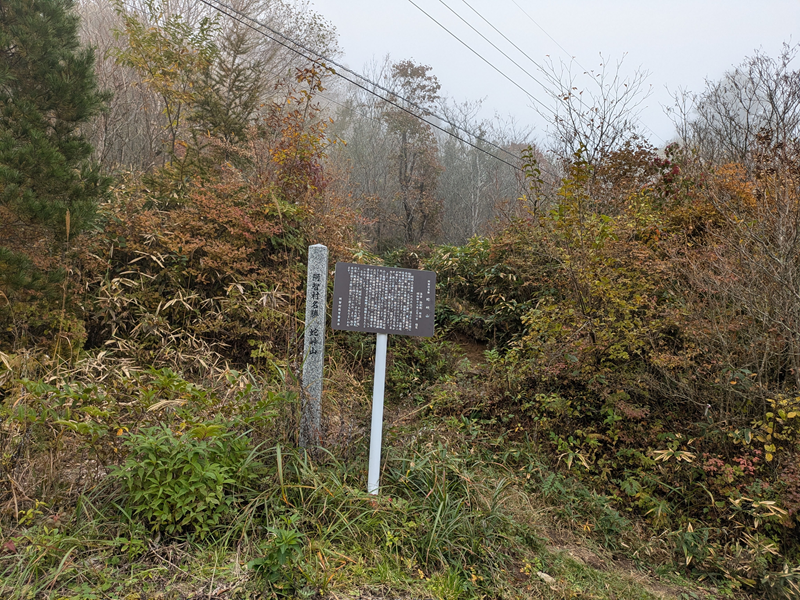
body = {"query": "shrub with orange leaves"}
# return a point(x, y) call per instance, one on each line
point(220, 258)
point(646, 323)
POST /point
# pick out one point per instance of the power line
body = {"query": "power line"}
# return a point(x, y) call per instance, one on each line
point(468, 24)
point(580, 100)
point(320, 58)
point(520, 50)
point(556, 43)
point(325, 60)
point(545, 32)
point(476, 53)
point(546, 108)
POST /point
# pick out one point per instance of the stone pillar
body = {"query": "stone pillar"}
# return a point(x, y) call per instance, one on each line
point(314, 349)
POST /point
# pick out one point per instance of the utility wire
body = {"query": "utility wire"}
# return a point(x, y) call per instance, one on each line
point(556, 43)
point(520, 50)
point(476, 53)
point(325, 60)
point(543, 31)
point(546, 108)
point(580, 100)
point(495, 46)
point(321, 59)
point(520, 67)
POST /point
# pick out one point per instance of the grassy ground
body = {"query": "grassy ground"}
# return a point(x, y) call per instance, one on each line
point(465, 511)
point(447, 525)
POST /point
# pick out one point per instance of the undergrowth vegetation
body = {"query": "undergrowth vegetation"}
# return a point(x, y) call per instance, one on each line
point(610, 407)
point(646, 341)
point(138, 498)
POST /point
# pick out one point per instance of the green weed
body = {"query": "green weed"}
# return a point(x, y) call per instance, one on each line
point(185, 482)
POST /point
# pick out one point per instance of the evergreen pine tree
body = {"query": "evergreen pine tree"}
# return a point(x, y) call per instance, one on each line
point(48, 90)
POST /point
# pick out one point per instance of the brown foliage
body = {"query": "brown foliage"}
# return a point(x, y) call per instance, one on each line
point(218, 257)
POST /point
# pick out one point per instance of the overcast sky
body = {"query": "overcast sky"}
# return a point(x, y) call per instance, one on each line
point(680, 43)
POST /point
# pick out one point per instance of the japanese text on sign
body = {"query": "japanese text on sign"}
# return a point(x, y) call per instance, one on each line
point(384, 300)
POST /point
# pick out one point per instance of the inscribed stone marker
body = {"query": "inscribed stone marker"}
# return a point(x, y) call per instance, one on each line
point(314, 348)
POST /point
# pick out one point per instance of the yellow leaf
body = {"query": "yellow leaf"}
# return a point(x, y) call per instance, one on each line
point(769, 457)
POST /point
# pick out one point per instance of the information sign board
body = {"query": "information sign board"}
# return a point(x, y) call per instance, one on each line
point(383, 300)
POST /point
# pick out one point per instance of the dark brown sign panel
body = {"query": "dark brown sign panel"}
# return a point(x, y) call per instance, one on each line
point(383, 300)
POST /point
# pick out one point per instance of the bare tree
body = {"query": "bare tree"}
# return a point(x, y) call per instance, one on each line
point(475, 188)
point(392, 153)
point(464, 189)
point(128, 133)
point(416, 160)
point(592, 112)
point(722, 122)
point(366, 153)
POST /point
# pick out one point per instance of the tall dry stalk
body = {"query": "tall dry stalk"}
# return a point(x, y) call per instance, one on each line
point(63, 297)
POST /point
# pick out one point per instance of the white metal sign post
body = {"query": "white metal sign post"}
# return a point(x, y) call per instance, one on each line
point(382, 300)
point(376, 432)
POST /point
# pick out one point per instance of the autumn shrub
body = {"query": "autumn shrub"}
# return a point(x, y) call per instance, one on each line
point(485, 287)
point(218, 260)
point(648, 346)
point(416, 364)
point(162, 275)
point(199, 259)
